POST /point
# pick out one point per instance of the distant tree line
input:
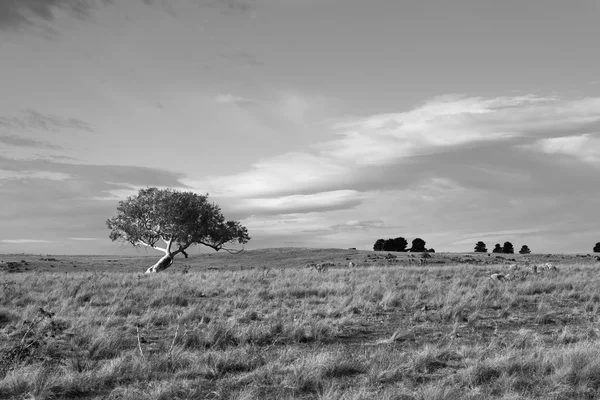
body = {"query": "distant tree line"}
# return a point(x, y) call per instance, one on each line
point(401, 244)
point(508, 248)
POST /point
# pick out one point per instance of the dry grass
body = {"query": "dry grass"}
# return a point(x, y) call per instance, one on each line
point(387, 331)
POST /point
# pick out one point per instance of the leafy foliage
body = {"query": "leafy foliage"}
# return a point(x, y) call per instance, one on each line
point(397, 244)
point(180, 218)
point(524, 250)
point(480, 247)
point(418, 245)
point(508, 248)
point(378, 246)
point(597, 248)
point(497, 249)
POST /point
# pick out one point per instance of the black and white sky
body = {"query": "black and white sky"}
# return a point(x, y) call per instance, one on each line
point(316, 123)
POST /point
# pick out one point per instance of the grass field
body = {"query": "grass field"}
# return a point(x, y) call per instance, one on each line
point(260, 325)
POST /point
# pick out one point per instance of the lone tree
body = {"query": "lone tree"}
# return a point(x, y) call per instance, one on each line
point(508, 248)
point(179, 219)
point(597, 248)
point(418, 246)
point(524, 250)
point(480, 247)
point(497, 248)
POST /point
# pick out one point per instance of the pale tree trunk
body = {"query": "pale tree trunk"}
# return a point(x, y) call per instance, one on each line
point(165, 262)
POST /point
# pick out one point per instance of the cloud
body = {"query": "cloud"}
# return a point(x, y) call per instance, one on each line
point(69, 200)
point(14, 140)
point(83, 239)
point(398, 150)
point(17, 13)
point(584, 147)
point(355, 225)
point(316, 202)
point(24, 241)
point(34, 120)
point(53, 176)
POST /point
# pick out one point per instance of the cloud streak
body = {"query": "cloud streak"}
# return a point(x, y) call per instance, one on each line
point(17, 141)
point(18, 13)
point(35, 120)
point(24, 241)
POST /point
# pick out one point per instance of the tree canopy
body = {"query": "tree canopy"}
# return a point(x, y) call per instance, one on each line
point(508, 248)
point(480, 247)
point(418, 245)
point(177, 218)
point(524, 250)
point(597, 248)
point(497, 248)
point(397, 244)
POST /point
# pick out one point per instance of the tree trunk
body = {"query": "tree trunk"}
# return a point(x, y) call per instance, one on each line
point(162, 264)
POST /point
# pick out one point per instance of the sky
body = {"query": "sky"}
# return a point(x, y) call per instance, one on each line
point(315, 123)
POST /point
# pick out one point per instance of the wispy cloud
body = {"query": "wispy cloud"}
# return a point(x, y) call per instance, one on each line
point(34, 120)
point(585, 147)
point(83, 239)
point(24, 241)
point(14, 14)
point(316, 202)
point(49, 175)
point(385, 148)
point(18, 141)
point(356, 225)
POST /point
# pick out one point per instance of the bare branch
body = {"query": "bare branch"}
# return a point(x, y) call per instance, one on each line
point(154, 247)
point(218, 247)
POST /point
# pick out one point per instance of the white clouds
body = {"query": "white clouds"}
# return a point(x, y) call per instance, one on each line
point(24, 241)
point(83, 239)
point(54, 176)
point(323, 201)
point(584, 147)
point(389, 141)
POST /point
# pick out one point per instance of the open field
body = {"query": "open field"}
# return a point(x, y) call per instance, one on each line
point(262, 325)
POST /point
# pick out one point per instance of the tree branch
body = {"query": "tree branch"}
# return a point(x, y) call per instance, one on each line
point(182, 249)
point(218, 247)
point(149, 245)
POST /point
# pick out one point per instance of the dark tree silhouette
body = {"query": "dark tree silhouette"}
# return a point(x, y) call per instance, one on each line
point(480, 247)
point(597, 248)
point(398, 244)
point(378, 246)
point(508, 248)
point(179, 219)
point(524, 250)
point(388, 245)
point(418, 245)
point(432, 250)
point(497, 248)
